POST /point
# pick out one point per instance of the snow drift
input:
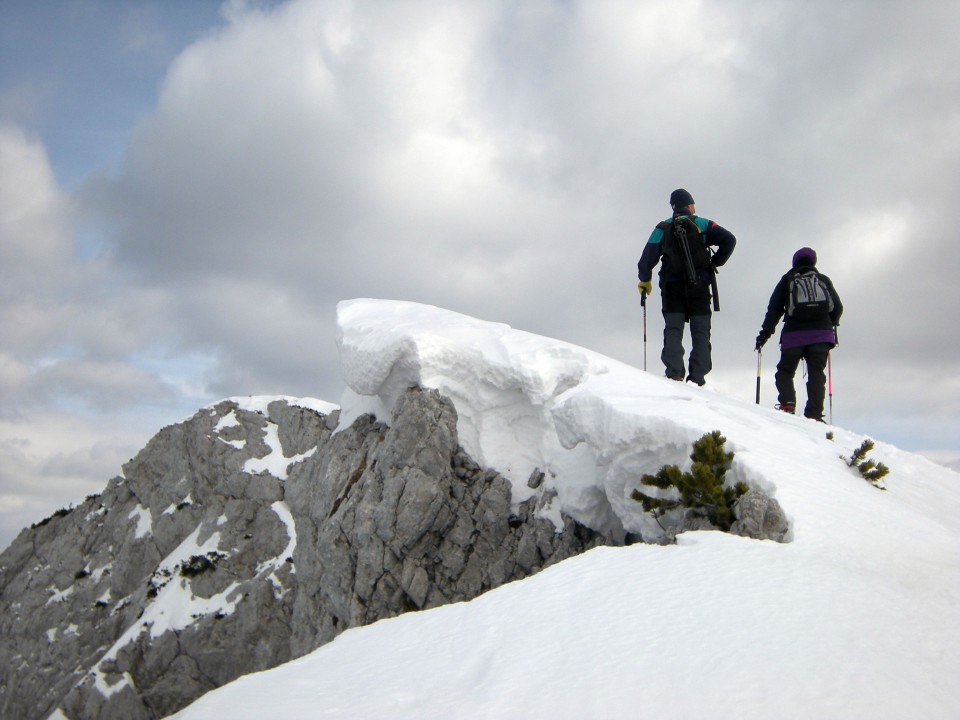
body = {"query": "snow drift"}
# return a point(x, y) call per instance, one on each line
point(856, 617)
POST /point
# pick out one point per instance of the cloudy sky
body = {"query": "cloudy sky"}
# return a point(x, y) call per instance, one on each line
point(188, 187)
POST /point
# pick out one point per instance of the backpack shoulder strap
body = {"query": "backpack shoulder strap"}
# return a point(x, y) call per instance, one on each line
point(666, 230)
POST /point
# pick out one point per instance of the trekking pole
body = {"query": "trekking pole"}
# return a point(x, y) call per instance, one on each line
point(836, 342)
point(643, 304)
point(759, 355)
point(830, 386)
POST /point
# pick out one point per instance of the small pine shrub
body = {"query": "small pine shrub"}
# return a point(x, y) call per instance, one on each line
point(200, 564)
point(62, 512)
point(154, 585)
point(701, 489)
point(871, 471)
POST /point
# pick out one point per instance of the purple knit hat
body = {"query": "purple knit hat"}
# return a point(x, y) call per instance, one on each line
point(804, 256)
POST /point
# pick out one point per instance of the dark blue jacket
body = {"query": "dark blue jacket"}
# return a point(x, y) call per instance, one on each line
point(713, 236)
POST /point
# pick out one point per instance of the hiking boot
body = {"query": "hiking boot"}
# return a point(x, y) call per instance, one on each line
point(701, 382)
point(787, 408)
point(677, 378)
point(818, 418)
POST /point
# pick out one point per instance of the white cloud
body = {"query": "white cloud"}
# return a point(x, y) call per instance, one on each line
point(34, 236)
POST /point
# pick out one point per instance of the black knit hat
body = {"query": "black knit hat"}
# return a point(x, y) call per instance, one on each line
point(680, 198)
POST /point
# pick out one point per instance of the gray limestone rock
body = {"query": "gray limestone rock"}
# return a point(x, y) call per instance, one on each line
point(238, 540)
point(760, 517)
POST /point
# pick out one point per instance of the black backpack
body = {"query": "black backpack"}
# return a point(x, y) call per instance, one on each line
point(684, 252)
point(808, 296)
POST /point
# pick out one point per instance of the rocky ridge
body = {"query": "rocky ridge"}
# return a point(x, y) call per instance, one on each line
point(245, 537)
point(238, 540)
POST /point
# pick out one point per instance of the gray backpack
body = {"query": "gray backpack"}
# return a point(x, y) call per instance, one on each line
point(808, 296)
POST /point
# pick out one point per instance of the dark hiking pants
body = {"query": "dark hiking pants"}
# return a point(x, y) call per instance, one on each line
point(682, 303)
point(816, 357)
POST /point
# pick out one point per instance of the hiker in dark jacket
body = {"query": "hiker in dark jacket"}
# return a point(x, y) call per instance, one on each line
point(681, 300)
point(810, 339)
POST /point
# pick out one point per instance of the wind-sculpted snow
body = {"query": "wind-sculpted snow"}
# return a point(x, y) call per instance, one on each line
point(855, 618)
point(528, 403)
point(504, 383)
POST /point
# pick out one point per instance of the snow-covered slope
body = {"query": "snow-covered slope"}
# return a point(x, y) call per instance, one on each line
point(857, 616)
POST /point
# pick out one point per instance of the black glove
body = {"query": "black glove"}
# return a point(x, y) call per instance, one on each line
point(761, 339)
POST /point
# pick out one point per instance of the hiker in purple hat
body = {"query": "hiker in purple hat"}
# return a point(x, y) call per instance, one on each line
point(811, 309)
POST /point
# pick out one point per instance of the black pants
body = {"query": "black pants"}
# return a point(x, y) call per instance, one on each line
point(816, 357)
point(684, 302)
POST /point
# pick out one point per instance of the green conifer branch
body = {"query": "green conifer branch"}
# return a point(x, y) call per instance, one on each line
point(869, 469)
point(701, 489)
point(860, 453)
